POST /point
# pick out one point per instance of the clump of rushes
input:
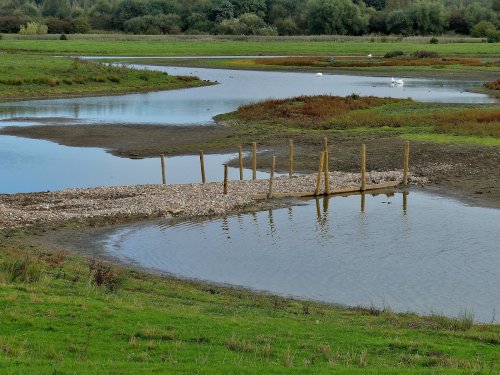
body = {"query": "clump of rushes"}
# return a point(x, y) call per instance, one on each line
point(103, 275)
point(24, 270)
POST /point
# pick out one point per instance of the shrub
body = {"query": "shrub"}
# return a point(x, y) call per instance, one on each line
point(392, 54)
point(24, 270)
point(434, 40)
point(425, 54)
point(104, 275)
point(33, 28)
point(482, 29)
point(63, 37)
point(114, 78)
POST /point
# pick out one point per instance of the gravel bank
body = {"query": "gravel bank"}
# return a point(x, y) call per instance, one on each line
point(190, 200)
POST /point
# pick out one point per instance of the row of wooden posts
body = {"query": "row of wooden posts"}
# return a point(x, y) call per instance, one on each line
point(323, 168)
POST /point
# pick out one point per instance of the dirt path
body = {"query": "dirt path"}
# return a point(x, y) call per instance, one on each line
point(468, 172)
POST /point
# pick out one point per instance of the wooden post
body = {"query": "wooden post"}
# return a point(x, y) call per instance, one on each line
point(226, 171)
point(320, 171)
point(406, 163)
point(240, 151)
point(254, 164)
point(290, 143)
point(163, 174)
point(202, 166)
point(363, 167)
point(327, 173)
point(405, 201)
point(271, 178)
point(325, 144)
point(363, 199)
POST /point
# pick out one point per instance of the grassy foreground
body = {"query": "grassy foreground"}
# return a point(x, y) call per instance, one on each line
point(28, 76)
point(237, 47)
point(56, 320)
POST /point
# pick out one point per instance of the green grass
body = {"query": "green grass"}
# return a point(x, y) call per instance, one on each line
point(63, 324)
point(305, 115)
point(235, 47)
point(26, 76)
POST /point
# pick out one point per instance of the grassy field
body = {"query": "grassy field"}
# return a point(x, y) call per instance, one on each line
point(200, 47)
point(28, 76)
point(408, 119)
point(64, 314)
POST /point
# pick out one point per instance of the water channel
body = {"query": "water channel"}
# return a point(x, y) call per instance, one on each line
point(419, 252)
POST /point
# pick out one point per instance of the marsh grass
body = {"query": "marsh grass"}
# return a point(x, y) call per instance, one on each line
point(354, 112)
point(24, 270)
point(42, 76)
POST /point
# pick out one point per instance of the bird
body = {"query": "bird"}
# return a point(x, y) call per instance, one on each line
point(318, 75)
point(398, 82)
point(370, 56)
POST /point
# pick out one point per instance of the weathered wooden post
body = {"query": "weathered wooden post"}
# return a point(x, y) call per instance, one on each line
point(226, 172)
point(406, 163)
point(163, 174)
point(363, 167)
point(320, 171)
point(240, 152)
point(202, 166)
point(326, 166)
point(254, 164)
point(271, 178)
point(290, 143)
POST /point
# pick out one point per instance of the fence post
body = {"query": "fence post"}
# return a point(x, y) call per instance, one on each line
point(290, 143)
point(202, 166)
point(240, 152)
point(254, 163)
point(320, 171)
point(271, 178)
point(226, 171)
point(363, 167)
point(163, 174)
point(406, 163)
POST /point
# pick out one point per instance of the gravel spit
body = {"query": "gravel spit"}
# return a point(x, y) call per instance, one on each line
point(189, 200)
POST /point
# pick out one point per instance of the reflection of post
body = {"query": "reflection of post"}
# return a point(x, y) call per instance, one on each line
point(320, 171)
point(290, 172)
point(405, 201)
point(254, 164)
point(271, 223)
point(363, 167)
point(163, 173)
point(326, 203)
point(241, 161)
point(202, 166)
point(271, 179)
point(326, 166)
point(363, 202)
point(406, 163)
point(318, 209)
point(225, 178)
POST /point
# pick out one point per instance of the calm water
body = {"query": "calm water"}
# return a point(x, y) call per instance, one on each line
point(236, 87)
point(32, 165)
point(431, 255)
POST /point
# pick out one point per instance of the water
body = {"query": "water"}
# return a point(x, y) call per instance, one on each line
point(32, 165)
point(431, 254)
point(236, 87)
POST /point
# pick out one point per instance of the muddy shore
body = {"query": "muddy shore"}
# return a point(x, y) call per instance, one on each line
point(465, 171)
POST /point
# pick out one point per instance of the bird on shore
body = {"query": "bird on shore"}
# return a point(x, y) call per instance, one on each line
point(318, 75)
point(370, 56)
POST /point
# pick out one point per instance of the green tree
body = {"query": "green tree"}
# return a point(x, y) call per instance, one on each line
point(336, 17)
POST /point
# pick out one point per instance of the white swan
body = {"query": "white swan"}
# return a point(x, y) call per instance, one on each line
point(318, 75)
point(370, 56)
point(398, 82)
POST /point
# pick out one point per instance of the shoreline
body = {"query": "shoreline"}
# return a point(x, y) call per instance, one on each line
point(152, 201)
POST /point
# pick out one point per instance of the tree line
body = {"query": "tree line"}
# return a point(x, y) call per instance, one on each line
point(253, 17)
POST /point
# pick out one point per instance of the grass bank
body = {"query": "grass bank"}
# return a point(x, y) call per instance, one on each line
point(28, 76)
point(262, 46)
point(309, 114)
point(64, 314)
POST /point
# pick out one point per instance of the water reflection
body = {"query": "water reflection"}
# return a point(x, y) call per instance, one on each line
point(439, 256)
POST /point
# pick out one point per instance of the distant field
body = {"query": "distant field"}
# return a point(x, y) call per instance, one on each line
point(199, 47)
point(26, 76)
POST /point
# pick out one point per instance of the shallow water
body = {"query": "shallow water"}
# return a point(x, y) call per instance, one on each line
point(32, 165)
point(431, 254)
point(236, 87)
